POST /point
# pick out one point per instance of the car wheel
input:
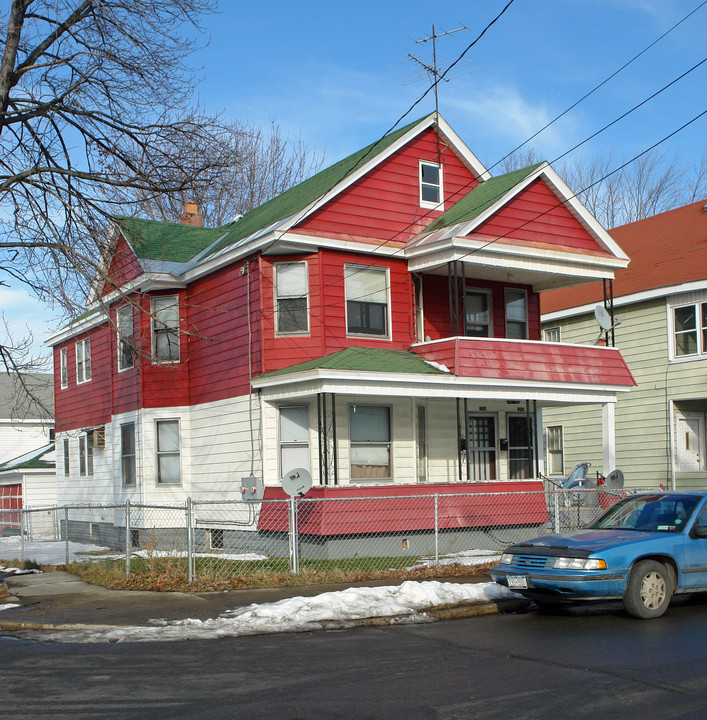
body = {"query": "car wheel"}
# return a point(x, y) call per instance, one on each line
point(648, 590)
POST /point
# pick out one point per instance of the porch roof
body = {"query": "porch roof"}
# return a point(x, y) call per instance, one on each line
point(441, 370)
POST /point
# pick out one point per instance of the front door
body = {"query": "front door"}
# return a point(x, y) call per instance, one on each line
point(690, 442)
point(482, 447)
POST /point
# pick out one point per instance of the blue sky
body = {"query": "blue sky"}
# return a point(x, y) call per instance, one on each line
point(334, 75)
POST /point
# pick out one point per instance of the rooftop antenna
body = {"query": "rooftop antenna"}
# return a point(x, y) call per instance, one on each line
point(432, 70)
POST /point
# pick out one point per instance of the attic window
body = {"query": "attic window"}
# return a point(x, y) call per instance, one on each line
point(431, 194)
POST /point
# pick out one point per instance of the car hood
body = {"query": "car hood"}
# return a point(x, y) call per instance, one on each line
point(588, 540)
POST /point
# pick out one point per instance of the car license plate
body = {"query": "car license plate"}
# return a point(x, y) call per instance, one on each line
point(517, 582)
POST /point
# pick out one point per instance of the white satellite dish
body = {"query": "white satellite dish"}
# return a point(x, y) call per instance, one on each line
point(603, 317)
point(296, 482)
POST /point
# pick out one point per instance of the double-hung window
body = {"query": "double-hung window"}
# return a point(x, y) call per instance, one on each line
point(83, 360)
point(477, 313)
point(370, 437)
point(127, 454)
point(555, 459)
point(291, 298)
point(552, 334)
point(168, 462)
point(366, 300)
point(294, 437)
point(516, 315)
point(690, 329)
point(86, 454)
point(67, 458)
point(64, 367)
point(165, 328)
point(124, 327)
point(431, 192)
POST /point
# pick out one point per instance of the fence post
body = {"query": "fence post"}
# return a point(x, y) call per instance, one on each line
point(556, 507)
point(66, 531)
point(22, 535)
point(294, 537)
point(436, 530)
point(128, 539)
point(190, 555)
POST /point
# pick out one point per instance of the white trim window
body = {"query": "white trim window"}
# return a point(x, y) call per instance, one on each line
point(168, 453)
point(127, 454)
point(370, 439)
point(478, 318)
point(64, 367)
point(124, 337)
point(67, 458)
point(552, 334)
point(367, 303)
point(555, 451)
point(690, 330)
point(86, 455)
point(431, 188)
point(83, 361)
point(294, 438)
point(291, 288)
point(516, 314)
point(165, 328)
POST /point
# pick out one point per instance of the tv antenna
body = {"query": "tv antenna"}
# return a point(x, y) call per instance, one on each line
point(433, 70)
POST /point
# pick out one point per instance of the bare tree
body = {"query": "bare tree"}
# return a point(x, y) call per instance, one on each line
point(95, 105)
point(264, 164)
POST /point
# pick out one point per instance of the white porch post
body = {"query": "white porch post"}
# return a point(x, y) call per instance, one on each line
point(608, 427)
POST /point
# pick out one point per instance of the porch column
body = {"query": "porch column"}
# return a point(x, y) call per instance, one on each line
point(608, 427)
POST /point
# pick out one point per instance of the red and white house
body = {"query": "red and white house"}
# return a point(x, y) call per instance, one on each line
point(377, 324)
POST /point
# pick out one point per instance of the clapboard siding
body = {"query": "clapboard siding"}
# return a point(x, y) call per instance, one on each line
point(536, 214)
point(384, 205)
point(123, 268)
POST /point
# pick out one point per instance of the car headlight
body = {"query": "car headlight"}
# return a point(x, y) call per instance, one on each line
point(506, 558)
point(568, 563)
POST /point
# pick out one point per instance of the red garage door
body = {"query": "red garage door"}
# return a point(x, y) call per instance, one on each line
point(10, 500)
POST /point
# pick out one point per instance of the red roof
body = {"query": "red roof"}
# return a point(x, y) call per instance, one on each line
point(665, 250)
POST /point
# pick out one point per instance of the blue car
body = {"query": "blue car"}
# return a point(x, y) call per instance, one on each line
point(642, 550)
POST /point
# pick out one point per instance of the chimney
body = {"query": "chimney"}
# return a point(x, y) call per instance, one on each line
point(191, 215)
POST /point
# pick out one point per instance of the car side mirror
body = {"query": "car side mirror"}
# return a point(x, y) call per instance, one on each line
point(700, 531)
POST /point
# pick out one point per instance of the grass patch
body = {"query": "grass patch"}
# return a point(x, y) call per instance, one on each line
point(171, 574)
point(21, 564)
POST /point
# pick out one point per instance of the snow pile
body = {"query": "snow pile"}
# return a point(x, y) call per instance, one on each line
point(403, 603)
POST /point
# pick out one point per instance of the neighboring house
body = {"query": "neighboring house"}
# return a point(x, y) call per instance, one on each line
point(376, 325)
point(660, 327)
point(27, 467)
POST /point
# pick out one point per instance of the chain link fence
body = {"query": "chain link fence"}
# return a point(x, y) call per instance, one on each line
point(232, 539)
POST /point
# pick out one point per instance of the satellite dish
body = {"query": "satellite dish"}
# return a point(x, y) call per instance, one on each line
point(603, 317)
point(296, 482)
point(614, 480)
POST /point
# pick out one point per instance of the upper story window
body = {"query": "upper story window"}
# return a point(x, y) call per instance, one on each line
point(516, 314)
point(551, 334)
point(64, 367)
point(165, 328)
point(124, 328)
point(477, 314)
point(366, 300)
point(291, 298)
point(690, 329)
point(83, 360)
point(431, 190)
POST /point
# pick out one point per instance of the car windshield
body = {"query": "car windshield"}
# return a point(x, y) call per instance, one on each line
point(649, 513)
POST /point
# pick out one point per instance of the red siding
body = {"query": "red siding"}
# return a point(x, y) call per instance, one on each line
point(399, 508)
point(536, 215)
point(384, 205)
point(517, 360)
point(123, 268)
point(88, 403)
point(436, 306)
point(327, 309)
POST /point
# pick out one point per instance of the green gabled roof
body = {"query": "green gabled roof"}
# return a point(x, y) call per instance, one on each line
point(365, 360)
point(480, 198)
point(300, 196)
point(33, 460)
point(167, 242)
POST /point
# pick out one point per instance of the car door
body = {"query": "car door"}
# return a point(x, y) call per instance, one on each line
point(694, 569)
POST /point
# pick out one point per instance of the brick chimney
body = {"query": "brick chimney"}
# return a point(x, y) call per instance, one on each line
point(191, 215)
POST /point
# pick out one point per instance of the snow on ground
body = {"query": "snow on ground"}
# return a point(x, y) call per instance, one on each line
point(405, 603)
point(45, 552)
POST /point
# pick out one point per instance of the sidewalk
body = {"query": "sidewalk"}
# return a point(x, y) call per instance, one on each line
point(59, 600)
